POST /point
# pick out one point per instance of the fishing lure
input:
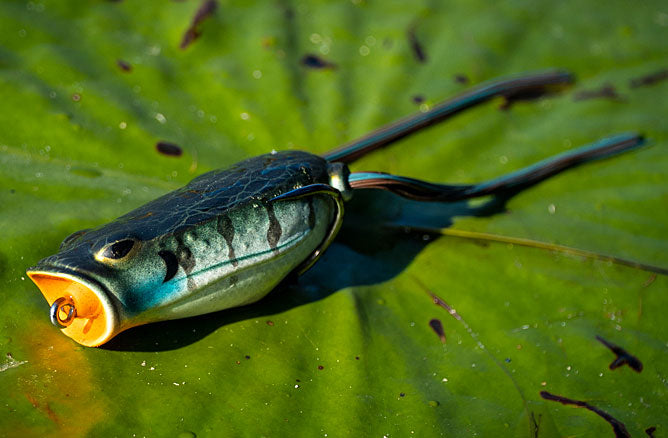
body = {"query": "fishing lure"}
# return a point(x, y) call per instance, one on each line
point(230, 236)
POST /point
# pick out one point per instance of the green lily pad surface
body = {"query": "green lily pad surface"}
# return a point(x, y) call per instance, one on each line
point(394, 332)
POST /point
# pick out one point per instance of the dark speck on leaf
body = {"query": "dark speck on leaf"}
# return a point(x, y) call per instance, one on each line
point(623, 356)
point(461, 79)
point(357, 358)
point(418, 51)
point(607, 91)
point(76, 97)
point(650, 431)
point(402, 394)
point(207, 8)
point(314, 61)
point(649, 79)
point(247, 357)
point(508, 360)
point(297, 380)
point(617, 426)
point(270, 323)
point(320, 367)
point(437, 326)
point(123, 65)
point(167, 148)
point(418, 99)
point(12, 191)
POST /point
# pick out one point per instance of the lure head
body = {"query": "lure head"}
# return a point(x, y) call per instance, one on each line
point(82, 282)
point(224, 240)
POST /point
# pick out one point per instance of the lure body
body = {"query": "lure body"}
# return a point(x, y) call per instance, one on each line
point(221, 241)
point(230, 236)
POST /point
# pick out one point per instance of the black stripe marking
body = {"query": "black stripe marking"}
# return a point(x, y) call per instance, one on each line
point(226, 229)
point(274, 232)
point(171, 263)
point(186, 260)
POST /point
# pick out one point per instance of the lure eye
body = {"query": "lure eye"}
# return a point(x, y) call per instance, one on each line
point(117, 251)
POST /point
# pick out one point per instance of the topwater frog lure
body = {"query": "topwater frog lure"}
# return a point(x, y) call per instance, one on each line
point(230, 236)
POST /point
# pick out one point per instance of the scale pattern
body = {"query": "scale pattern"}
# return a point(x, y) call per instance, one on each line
point(256, 179)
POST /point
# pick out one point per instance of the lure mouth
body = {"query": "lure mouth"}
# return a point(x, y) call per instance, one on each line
point(78, 307)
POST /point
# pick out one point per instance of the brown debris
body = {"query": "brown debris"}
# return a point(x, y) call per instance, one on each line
point(416, 47)
point(649, 79)
point(623, 356)
point(607, 91)
point(171, 149)
point(314, 61)
point(461, 79)
point(207, 9)
point(617, 426)
point(124, 65)
point(437, 326)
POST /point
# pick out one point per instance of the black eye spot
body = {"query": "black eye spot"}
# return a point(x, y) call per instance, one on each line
point(119, 249)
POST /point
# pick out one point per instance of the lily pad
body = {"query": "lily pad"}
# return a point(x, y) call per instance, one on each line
point(103, 110)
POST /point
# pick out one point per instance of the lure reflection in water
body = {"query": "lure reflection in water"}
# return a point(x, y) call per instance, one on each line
point(230, 236)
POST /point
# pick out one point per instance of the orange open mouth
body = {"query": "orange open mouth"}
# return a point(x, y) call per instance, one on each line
point(82, 312)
